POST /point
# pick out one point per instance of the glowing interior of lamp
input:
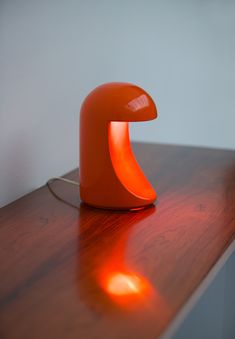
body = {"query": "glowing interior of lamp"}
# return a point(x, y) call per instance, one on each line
point(122, 284)
point(124, 163)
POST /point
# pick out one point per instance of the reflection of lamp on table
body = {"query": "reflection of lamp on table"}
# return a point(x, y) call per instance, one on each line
point(110, 280)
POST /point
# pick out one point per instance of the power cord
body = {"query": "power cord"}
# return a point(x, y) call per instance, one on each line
point(68, 181)
point(50, 181)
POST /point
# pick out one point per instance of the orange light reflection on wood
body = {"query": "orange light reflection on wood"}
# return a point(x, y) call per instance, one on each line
point(121, 284)
point(128, 290)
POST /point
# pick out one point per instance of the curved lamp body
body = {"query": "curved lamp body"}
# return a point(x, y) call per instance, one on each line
point(109, 174)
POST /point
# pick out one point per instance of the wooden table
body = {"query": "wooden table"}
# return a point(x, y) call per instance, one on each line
point(70, 272)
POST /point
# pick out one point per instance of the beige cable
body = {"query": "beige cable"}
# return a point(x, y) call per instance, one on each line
point(68, 181)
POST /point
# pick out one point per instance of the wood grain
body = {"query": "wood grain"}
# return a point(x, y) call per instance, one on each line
point(54, 258)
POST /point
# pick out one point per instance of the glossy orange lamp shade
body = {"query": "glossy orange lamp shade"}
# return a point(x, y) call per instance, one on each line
point(110, 177)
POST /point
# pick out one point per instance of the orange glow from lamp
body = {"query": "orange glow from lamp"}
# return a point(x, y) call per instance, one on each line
point(123, 284)
point(126, 288)
point(110, 177)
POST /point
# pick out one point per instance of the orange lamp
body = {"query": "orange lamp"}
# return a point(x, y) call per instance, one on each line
point(110, 177)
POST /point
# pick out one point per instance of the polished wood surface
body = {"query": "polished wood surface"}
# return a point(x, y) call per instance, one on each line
point(57, 262)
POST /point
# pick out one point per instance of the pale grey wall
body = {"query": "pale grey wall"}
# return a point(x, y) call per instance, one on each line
point(52, 53)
